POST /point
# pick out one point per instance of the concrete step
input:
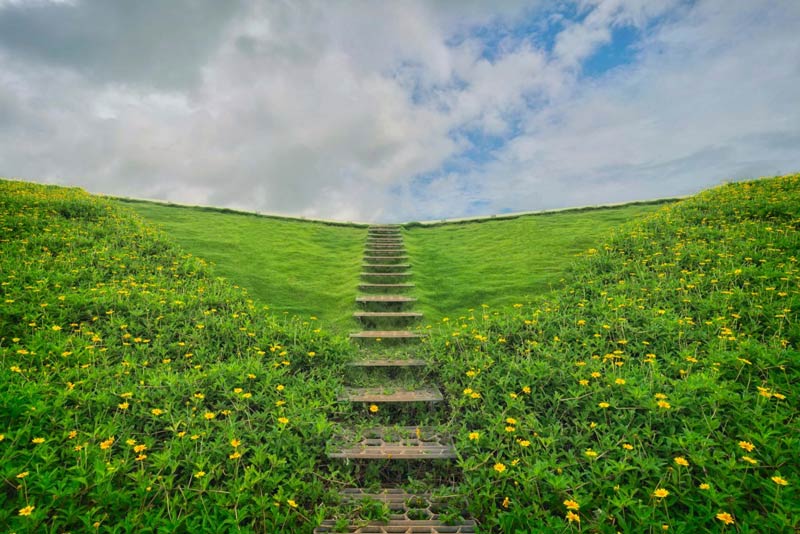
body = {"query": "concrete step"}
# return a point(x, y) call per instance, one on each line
point(386, 334)
point(368, 287)
point(387, 394)
point(387, 275)
point(386, 258)
point(384, 299)
point(387, 315)
point(410, 362)
point(382, 266)
point(394, 443)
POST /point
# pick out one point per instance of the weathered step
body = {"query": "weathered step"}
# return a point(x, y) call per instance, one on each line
point(396, 443)
point(386, 258)
point(398, 527)
point(386, 394)
point(381, 254)
point(385, 299)
point(387, 315)
point(386, 334)
point(369, 275)
point(409, 362)
point(386, 265)
point(366, 287)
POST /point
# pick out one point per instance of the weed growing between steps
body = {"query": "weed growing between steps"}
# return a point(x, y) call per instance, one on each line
point(139, 393)
point(657, 390)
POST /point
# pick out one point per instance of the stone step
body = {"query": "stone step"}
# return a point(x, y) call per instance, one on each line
point(398, 527)
point(396, 443)
point(410, 362)
point(385, 299)
point(386, 334)
point(367, 287)
point(387, 315)
point(385, 258)
point(368, 274)
point(387, 394)
point(386, 265)
point(383, 253)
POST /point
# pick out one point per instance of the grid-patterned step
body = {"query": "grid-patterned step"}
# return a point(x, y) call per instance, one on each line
point(387, 315)
point(405, 506)
point(386, 334)
point(429, 394)
point(386, 258)
point(388, 275)
point(385, 299)
point(395, 443)
point(386, 265)
point(398, 527)
point(409, 362)
point(385, 254)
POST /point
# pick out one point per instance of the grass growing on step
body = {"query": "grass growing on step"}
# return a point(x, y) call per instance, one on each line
point(304, 268)
point(462, 265)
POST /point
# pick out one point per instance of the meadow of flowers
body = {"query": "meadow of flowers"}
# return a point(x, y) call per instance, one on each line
point(657, 390)
point(138, 392)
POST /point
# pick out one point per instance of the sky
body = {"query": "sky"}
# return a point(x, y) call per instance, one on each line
point(391, 111)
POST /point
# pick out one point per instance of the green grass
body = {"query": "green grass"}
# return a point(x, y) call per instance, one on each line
point(462, 265)
point(313, 268)
point(304, 268)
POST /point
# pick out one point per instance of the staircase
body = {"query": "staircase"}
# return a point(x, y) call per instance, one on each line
point(387, 321)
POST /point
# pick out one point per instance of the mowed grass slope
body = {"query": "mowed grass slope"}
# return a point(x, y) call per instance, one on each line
point(461, 265)
point(304, 268)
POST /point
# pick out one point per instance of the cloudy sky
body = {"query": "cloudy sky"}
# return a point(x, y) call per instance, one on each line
point(398, 110)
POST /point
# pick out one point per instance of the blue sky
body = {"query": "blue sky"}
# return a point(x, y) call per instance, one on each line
point(379, 111)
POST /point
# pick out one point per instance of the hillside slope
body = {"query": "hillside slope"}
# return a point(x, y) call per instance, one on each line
point(658, 389)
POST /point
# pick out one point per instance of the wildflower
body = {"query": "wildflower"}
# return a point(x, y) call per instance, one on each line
point(27, 510)
point(627, 446)
point(664, 404)
point(37, 441)
point(280, 387)
point(141, 458)
point(200, 474)
point(140, 448)
point(107, 443)
point(510, 428)
point(312, 353)
point(475, 395)
point(572, 505)
point(726, 518)
point(499, 467)
point(704, 486)
point(746, 445)
point(524, 443)
point(780, 481)
point(680, 460)
point(199, 396)
point(620, 381)
point(156, 411)
point(473, 436)
point(526, 390)
point(123, 405)
point(283, 420)
point(373, 408)
point(604, 405)
point(291, 503)
point(583, 382)
point(235, 442)
point(468, 391)
point(209, 415)
point(506, 502)
point(660, 493)
point(511, 421)
point(573, 517)
point(130, 442)
point(280, 402)
point(234, 455)
point(590, 453)
point(596, 375)
point(749, 460)
point(660, 396)
point(23, 474)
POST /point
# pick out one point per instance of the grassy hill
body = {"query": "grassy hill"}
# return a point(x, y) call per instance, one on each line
point(311, 268)
point(655, 389)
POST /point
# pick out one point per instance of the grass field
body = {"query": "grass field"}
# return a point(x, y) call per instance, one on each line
point(312, 268)
point(654, 389)
point(304, 268)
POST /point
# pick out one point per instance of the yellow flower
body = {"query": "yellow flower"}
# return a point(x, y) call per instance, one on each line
point(55, 328)
point(746, 445)
point(235, 442)
point(475, 395)
point(704, 486)
point(595, 375)
point(780, 481)
point(123, 405)
point(280, 402)
point(199, 396)
point(200, 474)
point(726, 518)
point(156, 411)
point(27, 510)
point(573, 517)
point(583, 382)
point(749, 460)
point(506, 502)
point(283, 420)
point(590, 453)
point(291, 503)
point(23, 474)
point(130, 442)
point(234, 455)
point(524, 443)
point(107, 443)
point(619, 381)
point(572, 505)
point(511, 421)
point(660, 493)
point(280, 387)
point(37, 440)
point(373, 408)
point(141, 458)
point(680, 460)
point(140, 448)
point(510, 429)
point(664, 404)
point(473, 436)
point(499, 467)
point(468, 391)
point(526, 390)
point(312, 354)
point(627, 446)
point(209, 415)
point(603, 405)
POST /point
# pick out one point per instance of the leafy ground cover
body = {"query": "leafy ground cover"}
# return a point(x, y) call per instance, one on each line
point(657, 390)
point(140, 393)
point(503, 261)
point(300, 267)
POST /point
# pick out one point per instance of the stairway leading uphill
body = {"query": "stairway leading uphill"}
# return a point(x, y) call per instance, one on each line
point(384, 316)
